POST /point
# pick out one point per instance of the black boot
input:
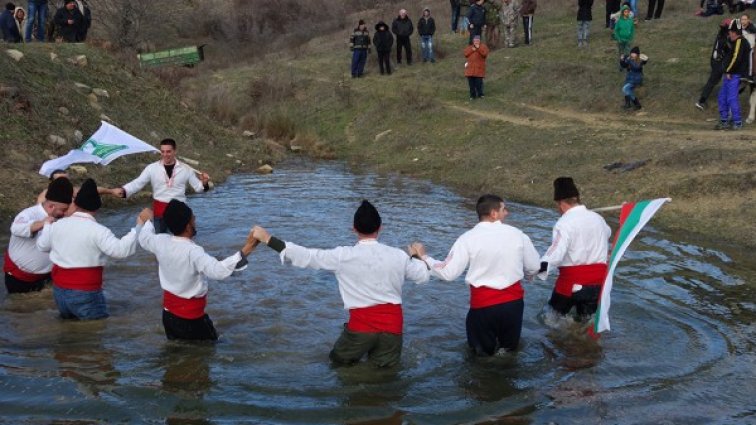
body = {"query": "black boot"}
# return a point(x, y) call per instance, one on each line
point(636, 104)
point(628, 102)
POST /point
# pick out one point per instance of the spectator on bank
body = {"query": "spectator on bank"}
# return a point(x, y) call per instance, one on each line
point(464, 9)
point(68, 22)
point(624, 32)
point(584, 18)
point(454, 15)
point(612, 7)
point(477, 18)
point(383, 41)
point(527, 11)
point(493, 20)
point(475, 67)
point(614, 17)
point(711, 7)
point(37, 16)
point(749, 33)
point(634, 63)
point(735, 67)
point(9, 21)
point(716, 60)
point(86, 13)
point(426, 27)
point(655, 8)
point(510, 14)
point(402, 28)
point(359, 44)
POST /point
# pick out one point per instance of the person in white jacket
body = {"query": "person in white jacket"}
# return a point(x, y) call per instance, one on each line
point(499, 256)
point(169, 178)
point(183, 270)
point(370, 276)
point(26, 268)
point(79, 247)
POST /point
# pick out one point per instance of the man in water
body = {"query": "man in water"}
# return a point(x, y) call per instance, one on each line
point(499, 256)
point(183, 269)
point(79, 247)
point(370, 276)
point(580, 249)
point(168, 178)
point(27, 268)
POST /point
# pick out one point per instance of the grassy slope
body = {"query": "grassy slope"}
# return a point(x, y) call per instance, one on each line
point(550, 110)
point(138, 103)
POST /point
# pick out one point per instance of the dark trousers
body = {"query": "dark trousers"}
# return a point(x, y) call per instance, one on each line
point(496, 327)
point(476, 30)
point(612, 6)
point(383, 349)
point(15, 286)
point(403, 42)
point(715, 76)
point(201, 329)
point(359, 57)
point(384, 62)
point(527, 25)
point(659, 5)
point(454, 18)
point(585, 302)
point(476, 86)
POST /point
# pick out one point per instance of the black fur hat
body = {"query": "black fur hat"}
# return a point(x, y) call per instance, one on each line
point(88, 198)
point(564, 188)
point(177, 215)
point(366, 218)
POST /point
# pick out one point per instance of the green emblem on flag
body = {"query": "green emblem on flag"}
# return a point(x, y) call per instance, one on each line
point(102, 150)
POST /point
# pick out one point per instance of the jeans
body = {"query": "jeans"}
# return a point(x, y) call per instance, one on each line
point(38, 12)
point(426, 47)
point(476, 86)
point(454, 18)
point(629, 90)
point(583, 31)
point(729, 107)
point(83, 305)
point(465, 24)
point(359, 57)
point(634, 7)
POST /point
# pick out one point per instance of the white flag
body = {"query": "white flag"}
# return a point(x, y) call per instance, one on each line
point(108, 143)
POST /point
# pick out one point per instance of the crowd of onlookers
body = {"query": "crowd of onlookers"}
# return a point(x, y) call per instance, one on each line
point(66, 21)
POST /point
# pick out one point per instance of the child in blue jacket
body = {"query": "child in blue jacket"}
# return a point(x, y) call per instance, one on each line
point(634, 64)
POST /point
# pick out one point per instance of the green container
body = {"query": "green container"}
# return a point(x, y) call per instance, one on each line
point(185, 56)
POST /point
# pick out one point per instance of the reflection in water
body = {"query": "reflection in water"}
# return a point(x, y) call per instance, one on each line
point(681, 340)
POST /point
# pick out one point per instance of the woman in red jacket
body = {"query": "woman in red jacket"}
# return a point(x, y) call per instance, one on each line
point(475, 67)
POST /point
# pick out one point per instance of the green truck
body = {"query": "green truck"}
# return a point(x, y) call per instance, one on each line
point(185, 56)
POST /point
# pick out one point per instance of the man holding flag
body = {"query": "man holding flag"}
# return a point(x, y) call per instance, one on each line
point(168, 178)
point(579, 248)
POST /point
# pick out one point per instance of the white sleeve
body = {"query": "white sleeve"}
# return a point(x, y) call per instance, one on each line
point(531, 262)
point(326, 259)
point(147, 237)
point(194, 181)
point(44, 239)
point(560, 242)
point(454, 264)
point(21, 226)
point(416, 270)
point(138, 183)
point(118, 248)
point(212, 268)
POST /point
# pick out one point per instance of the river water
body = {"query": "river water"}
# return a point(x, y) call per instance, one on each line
point(680, 350)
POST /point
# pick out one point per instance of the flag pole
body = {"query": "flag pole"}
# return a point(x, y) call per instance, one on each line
point(614, 207)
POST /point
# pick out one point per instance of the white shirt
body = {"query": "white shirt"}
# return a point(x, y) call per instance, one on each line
point(498, 254)
point(22, 247)
point(369, 273)
point(580, 237)
point(80, 241)
point(163, 188)
point(183, 265)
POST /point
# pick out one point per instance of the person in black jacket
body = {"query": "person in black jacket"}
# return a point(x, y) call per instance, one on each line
point(477, 17)
point(86, 13)
point(383, 41)
point(735, 66)
point(721, 42)
point(8, 24)
point(584, 17)
point(68, 22)
point(426, 27)
point(403, 29)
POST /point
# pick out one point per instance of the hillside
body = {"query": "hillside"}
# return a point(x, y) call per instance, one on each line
point(45, 98)
point(551, 109)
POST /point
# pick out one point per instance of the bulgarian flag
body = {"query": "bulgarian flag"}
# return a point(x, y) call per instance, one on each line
point(633, 216)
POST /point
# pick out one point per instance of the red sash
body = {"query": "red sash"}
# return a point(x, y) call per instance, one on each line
point(80, 278)
point(483, 296)
point(158, 208)
point(586, 275)
point(12, 269)
point(185, 308)
point(376, 319)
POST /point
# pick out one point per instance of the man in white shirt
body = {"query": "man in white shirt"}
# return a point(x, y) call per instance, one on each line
point(370, 277)
point(183, 269)
point(27, 268)
point(79, 247)
point(168, 178)
point(579, 248)
point(499, 256)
